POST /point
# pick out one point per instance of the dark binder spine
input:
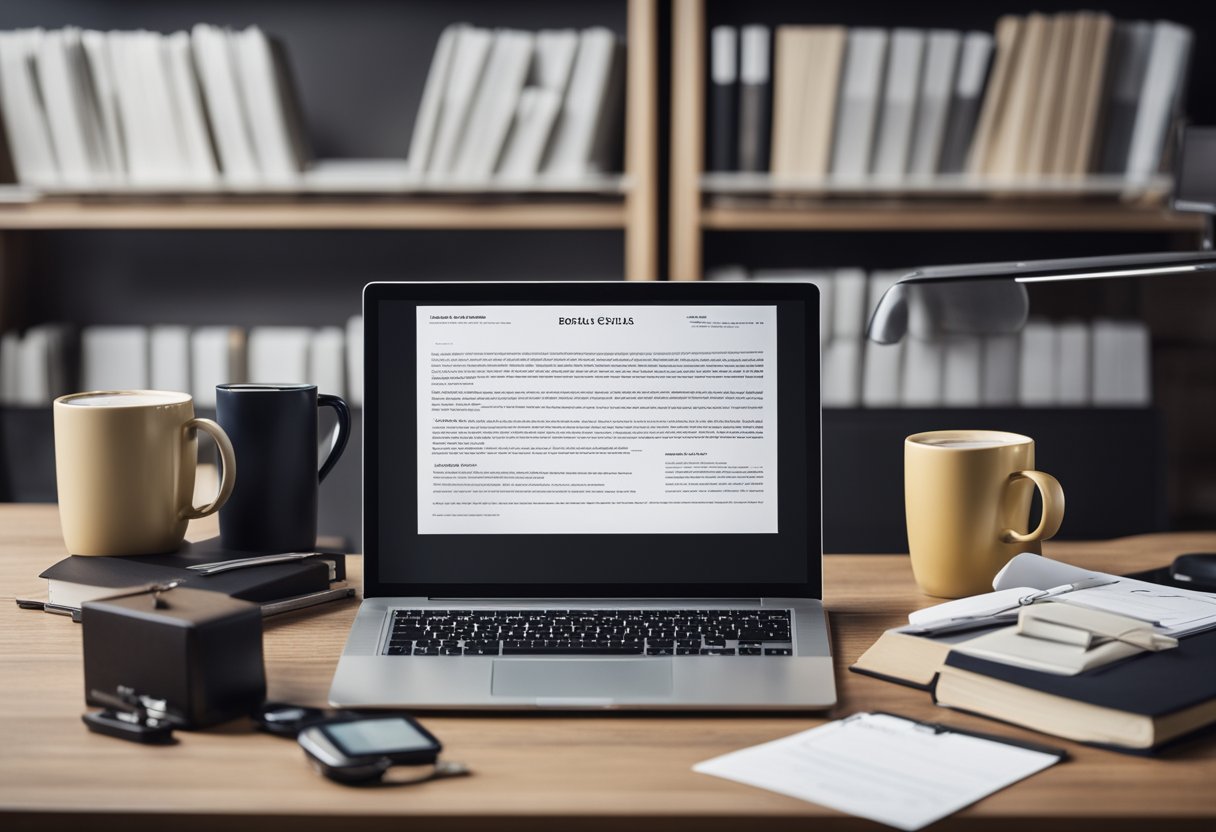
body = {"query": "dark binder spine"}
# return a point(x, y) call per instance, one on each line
point(723, 103)
point(960, 127)
point(755, 99)
point(755, 116)
point(722, 132)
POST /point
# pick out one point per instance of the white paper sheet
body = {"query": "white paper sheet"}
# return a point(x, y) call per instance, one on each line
point(988, 604)
point(882, 767)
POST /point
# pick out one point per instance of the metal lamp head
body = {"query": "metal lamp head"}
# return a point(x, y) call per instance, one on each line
point(991, 298)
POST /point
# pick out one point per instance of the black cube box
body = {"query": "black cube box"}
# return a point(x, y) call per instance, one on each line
point(199, 651)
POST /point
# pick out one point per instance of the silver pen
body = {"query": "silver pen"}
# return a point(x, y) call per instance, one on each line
point(242, 563)
point(1063, 589)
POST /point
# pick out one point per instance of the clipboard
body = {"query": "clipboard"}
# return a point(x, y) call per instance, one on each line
point(942, 728)
point(888, 768)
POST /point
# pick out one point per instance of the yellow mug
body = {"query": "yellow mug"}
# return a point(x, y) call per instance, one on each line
point(125, 462)
point(967, 496)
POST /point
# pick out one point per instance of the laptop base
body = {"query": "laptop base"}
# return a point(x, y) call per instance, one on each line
point(802, 681)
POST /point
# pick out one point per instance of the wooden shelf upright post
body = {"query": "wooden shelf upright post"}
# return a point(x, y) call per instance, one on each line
point(641, 142)
point(687, 138)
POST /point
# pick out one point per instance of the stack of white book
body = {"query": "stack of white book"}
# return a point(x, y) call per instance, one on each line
point(43, 363)
point(206, 109)
point(1068, 363)
point(215, 109)
point(511, 106)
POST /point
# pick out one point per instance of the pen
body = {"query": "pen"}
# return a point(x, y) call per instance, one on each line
point(242, 563)
point(1084, 583)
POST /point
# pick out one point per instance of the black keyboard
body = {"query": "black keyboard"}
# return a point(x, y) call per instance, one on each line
point(434, 632)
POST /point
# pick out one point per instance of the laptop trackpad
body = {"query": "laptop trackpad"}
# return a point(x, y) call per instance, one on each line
point(543, 679)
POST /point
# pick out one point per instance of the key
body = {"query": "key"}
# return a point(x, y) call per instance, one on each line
point(481, 649)
point(571, 651)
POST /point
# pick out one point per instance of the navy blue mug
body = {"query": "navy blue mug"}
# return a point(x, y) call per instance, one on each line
point(273, 428)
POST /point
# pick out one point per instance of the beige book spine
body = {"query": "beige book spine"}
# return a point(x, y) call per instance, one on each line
point(822, 86)
point(806, 79)
point(992, 111)
point(1012, 140)
point(1064, 155)
point(1050, 121)
point(1103, 27)
point(788, 62)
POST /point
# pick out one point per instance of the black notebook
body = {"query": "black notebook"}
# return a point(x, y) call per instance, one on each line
point(77, 579)
point(1137, 704)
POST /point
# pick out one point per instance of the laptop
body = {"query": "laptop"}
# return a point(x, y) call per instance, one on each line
point(590, 495)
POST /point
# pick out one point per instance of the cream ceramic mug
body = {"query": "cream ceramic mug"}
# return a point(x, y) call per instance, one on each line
point(967, 496)
point(124, 463)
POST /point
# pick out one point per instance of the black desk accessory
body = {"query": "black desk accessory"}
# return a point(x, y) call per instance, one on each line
point(273, 428)
point(131, 716)
point(359, 750)
point(1194, 572)
point(198, 652)
point(1197, 571)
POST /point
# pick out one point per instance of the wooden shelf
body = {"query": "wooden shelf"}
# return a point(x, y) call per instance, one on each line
point(968, 215)
point(308, 214)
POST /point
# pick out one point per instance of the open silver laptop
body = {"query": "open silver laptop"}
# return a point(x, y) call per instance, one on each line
point(590, 495)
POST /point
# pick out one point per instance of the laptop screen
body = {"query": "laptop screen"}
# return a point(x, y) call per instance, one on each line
point(592, 439)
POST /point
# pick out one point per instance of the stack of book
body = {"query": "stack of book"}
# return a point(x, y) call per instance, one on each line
point(210, 108)
point(217, 109)
point(1135, 691)
point(45, 362)
point(1048, 97)
point(512, 106)
point(1068, 363)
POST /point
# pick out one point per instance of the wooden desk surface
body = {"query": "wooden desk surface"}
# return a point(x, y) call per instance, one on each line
point(530, 772)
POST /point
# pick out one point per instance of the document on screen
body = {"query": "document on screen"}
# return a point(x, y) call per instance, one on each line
point(597, 419)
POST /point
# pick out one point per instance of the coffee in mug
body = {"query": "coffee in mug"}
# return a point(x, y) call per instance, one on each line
point(967, 495)
point(125, 462)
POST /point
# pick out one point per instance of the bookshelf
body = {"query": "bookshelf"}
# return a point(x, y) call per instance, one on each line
point(630, 205)
point(701, 203)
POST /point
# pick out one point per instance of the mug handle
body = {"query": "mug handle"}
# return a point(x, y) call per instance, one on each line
point(1053, 507)
point(227, 474)
point(339, 442)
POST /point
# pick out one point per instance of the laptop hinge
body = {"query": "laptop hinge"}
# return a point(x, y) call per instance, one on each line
point(558, 601)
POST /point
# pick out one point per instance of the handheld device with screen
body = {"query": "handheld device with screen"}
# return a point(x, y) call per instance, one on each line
point(362, 749)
